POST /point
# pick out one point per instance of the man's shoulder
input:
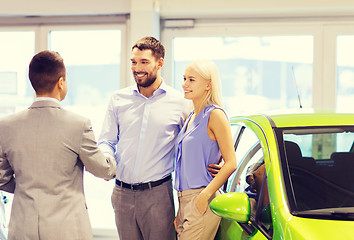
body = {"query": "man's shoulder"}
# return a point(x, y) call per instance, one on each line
point(173, 92)
point(176, 98)
point(10, 117)
point(128, 89)
point(68, 114)
point(124, 92)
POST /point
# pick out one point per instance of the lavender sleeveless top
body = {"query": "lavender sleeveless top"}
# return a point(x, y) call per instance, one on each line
point(194, 152)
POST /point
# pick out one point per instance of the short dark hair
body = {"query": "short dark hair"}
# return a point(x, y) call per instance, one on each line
point(158, 50)
point(45, 70)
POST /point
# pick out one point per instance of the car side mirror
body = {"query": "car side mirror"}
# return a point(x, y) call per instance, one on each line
point(232, 206)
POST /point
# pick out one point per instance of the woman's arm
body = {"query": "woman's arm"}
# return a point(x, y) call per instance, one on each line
point(219, 130)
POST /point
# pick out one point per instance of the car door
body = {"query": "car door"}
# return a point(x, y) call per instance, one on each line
point(248, 178)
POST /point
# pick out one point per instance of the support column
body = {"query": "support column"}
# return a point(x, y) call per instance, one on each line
point(144, 19)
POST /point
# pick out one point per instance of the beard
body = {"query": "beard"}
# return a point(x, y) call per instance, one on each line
point(150, 79)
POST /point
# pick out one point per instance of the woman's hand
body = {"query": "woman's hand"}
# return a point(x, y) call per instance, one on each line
point(202, 203)
point(175, 223)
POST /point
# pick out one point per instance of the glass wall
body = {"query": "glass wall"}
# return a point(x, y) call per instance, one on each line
point(92, 58)
point(345, 73)
point(258, 73)
point(16, 50)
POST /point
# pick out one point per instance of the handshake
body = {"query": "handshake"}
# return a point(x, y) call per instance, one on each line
point(110, 158)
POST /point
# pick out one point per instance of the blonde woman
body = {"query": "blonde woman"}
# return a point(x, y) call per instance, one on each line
point(205, 137)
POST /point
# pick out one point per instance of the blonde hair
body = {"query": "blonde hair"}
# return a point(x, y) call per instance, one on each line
point(209, 71)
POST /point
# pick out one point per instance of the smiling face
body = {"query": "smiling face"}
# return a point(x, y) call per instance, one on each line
point(194, 85)
point(145, 67)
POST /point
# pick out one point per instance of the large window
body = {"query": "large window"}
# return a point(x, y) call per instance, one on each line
point(345, 73)
point(92, 55)
point(16, 50)
point(319, 164)
point(257, 73)
point(92, 58)
point(267, 64)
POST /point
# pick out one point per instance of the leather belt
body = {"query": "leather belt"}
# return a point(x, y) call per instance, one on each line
point(143, 186)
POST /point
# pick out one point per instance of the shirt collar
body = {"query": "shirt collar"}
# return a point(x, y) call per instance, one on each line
point(46, 99)
point(160, 90)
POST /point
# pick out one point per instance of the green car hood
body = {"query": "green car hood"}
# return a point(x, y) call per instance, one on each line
point(308, 228)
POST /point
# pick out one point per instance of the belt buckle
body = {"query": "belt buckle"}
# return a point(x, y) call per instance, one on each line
point(135, 187)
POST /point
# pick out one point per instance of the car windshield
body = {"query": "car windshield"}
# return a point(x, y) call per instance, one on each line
point(318, 167)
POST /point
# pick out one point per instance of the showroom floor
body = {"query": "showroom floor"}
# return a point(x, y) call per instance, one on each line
point(105, 234)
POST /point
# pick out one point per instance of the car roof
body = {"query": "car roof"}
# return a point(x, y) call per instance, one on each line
point(302, 119)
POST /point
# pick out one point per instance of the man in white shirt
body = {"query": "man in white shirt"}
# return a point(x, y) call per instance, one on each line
point(139, 129)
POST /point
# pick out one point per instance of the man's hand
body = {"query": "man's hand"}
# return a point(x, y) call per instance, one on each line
point(110, 158)
point(215, 168)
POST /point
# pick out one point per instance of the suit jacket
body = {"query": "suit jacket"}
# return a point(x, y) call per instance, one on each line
point(43, 151)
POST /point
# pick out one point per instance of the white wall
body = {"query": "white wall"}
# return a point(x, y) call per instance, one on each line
point(63, 7)
point(180, 8)
point(145, 15)
point(256, 8)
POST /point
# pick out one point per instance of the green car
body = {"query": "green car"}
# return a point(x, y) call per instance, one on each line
point(294, 180)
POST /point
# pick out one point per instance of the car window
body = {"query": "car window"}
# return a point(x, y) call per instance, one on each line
point(246, 146)
point(250, 178)
point(236, 130)
point(320, 164)
point(247, 141)
point(252, 160)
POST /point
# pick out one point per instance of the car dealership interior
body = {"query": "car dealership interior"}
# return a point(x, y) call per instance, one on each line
point(273, 57)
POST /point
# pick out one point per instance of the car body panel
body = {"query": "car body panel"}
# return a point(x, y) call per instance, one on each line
point(306, 228)
point(285, 225)
point(233, 207)
point(232, 230)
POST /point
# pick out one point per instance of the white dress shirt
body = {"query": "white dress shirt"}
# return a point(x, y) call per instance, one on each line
point(140, 132)
point(46, 99)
